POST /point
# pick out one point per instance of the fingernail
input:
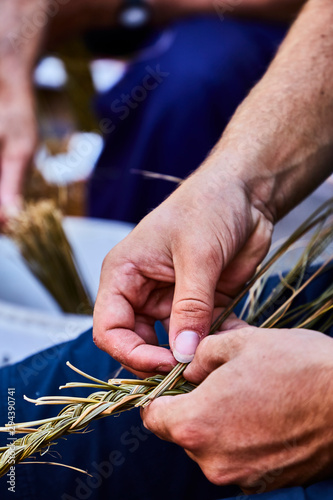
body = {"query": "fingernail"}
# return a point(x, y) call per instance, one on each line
point(185, 346)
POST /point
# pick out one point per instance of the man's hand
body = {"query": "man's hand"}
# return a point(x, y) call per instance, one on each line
point(262, 415)
point(199, 247)
point(18, 136)
point(192, 253)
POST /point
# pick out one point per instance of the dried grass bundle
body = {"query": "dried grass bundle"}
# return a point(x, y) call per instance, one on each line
point(117, 395)
point(39, 234)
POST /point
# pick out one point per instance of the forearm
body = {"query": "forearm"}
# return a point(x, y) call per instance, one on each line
point(280, 141)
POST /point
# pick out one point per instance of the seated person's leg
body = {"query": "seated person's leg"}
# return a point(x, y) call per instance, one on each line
point(172, 106)
point(125, 460)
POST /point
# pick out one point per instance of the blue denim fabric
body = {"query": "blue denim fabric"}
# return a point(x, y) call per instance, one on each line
point(126, 461)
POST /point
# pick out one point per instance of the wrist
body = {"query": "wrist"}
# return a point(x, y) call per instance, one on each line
point(278, 165)
point(233, 166)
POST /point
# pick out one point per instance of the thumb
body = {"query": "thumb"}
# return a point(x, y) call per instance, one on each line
point(192, 309)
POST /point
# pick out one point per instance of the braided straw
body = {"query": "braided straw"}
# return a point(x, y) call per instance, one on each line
point(114, 396)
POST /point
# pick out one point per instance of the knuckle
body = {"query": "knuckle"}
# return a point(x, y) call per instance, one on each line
point(236, 338)
point(105, 262)
point(255, 482)
point(215, 475)
point(221, 473)
point(245, 332)
point(231, 344)
point(110, 264)
point(192, 308)
point(189, 435)
point(120, 267)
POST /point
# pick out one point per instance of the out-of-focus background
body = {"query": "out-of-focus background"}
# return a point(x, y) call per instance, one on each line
point(118, 125)
point(70, 144)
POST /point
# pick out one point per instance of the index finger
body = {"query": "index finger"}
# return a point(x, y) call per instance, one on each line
point(218, 349)
point(121, 330)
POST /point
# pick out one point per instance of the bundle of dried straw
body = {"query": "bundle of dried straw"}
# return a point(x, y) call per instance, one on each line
point(39, 234)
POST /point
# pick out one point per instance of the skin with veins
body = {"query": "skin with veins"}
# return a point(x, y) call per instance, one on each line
point(264, 404)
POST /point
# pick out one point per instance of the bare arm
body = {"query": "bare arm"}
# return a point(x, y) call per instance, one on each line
point(281, 137)
point(206, 240)
point(192, 253)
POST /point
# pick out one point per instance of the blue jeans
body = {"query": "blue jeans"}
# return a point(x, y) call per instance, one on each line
point(125, 460)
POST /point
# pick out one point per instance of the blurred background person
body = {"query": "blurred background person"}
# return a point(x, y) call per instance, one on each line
point(181, 83)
